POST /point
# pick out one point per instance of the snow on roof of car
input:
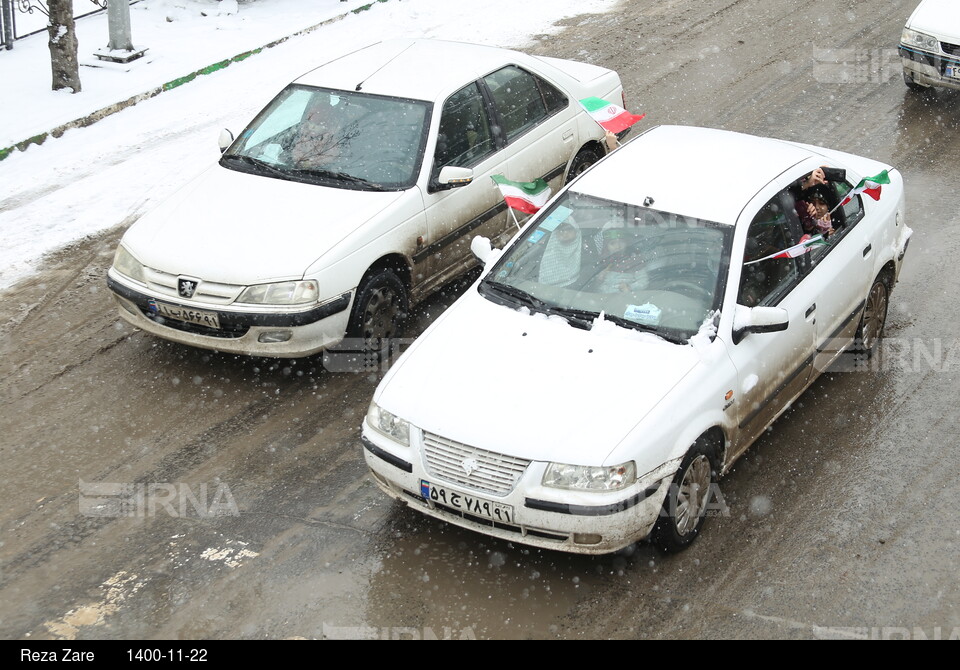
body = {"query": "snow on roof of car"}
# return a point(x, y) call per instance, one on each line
point(421, 69)
point(701, 172)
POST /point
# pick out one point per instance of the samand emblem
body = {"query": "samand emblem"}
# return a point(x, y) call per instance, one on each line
point(470, 465)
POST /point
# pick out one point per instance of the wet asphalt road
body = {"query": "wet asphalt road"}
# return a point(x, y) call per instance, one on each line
point(264, 524)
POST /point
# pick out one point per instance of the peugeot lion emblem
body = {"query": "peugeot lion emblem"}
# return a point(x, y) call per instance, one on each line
point(186, 287)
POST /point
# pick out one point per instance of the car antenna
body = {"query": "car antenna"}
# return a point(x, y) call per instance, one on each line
point(382, 66)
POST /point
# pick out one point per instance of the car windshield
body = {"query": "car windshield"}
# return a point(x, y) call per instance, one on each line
point(343, 139)
point(640, 267)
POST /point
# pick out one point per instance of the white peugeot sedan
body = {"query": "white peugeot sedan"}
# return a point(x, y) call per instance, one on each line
point(354, 194)
point(930, 45)
point(643, 329)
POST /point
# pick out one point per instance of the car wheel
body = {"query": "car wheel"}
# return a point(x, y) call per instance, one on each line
point(685, 508)
point(379, 311)
point(911, 84)
point(582, 162)
point(874, 318)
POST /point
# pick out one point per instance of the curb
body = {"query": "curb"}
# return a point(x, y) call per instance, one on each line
point(90, 119)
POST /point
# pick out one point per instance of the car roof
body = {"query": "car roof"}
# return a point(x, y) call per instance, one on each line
point(420, 69)
point(706, 173)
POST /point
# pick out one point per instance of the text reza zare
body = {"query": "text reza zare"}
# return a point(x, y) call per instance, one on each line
point(63, 655)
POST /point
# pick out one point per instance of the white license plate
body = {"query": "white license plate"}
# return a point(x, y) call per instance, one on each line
point(467, 503)
point(953, 71)
point(198, 316)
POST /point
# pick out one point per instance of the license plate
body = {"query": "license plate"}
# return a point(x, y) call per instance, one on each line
point(467, 503)
point(953, 71)
point(200, 317)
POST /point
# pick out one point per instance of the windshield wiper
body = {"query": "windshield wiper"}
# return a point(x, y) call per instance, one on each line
point(575, 317)
point(255, 162)
point(518, 295)
point(580, 318)
point(627, 323)
point(338, 176)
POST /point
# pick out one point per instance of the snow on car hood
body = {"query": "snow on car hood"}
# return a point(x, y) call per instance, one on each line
point(238, 228)
point(531, 386)
point(937, 17)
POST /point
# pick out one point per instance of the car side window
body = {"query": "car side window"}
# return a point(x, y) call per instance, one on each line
point(464, 138)
point(522, 99)
point(766, 279)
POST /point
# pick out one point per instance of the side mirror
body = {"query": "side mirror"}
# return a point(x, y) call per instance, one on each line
point(225, 139)
point(452, 177)
point(484, 251)
point(748, 320)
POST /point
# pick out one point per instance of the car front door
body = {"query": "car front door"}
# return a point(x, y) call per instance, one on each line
point(466, 137)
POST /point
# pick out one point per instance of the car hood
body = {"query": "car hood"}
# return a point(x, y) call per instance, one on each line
point(531, 386)
point(238, 228)
point(939, 18)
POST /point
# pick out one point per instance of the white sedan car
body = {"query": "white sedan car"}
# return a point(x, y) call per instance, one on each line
point(643, 329)
point(354, 194)
point(930, 46)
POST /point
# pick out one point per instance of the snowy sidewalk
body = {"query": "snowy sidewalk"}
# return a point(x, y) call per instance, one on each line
point(184, 39)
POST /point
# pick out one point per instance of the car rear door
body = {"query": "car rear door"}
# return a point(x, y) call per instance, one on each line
point(772, 368)
point(539, 124)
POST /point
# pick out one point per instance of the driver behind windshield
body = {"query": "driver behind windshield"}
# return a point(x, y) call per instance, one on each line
point(620, 267)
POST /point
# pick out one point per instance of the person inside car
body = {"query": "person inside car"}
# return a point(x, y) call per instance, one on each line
point(815, 215)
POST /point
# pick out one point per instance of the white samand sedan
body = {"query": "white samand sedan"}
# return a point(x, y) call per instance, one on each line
point(930, 45)
point(354, 194)
point(636, 337)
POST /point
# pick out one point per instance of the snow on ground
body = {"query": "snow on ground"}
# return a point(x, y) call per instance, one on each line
point(110, 172)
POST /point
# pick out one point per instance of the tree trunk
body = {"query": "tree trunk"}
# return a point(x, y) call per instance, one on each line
point(63, 46)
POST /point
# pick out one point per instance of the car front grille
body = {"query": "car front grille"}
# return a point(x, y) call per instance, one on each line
point(952, 49)
point(212, 293)
point(470, 467)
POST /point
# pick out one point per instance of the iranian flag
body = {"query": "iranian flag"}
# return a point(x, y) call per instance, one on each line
point(869, 185)
point(806, 244)
point(610, 116)
point(523, 196)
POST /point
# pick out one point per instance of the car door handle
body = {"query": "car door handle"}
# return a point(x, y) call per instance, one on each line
point(810, 310)
point(568, 136)
point(866, 250)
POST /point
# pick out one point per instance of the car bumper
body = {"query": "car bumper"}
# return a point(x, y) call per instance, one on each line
point(288, 334)
point(928, 69)
point(581, 523)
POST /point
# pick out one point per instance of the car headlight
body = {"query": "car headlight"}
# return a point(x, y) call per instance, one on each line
point(388, 424)
point(920, 40)
point(127, 265)
point(590, 478)
point(282, 293)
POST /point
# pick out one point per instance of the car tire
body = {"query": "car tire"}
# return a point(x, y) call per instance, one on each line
point(582, 162)
point(873, 319)
point(685, 507)
point(911, 83)
point(379, 311)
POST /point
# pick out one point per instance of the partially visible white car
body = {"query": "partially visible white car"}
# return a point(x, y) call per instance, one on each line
point(930, 45)
point(354, 194)
point(639, 334)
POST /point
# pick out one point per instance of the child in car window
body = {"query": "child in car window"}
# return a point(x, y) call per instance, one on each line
point(815, 215)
